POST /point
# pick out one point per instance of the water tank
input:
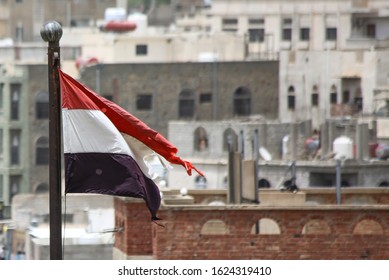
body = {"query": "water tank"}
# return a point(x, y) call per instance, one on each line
point(140, 21)
point(343, 147)
point(115, 14)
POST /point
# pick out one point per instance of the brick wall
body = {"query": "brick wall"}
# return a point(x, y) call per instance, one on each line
point(230, 232)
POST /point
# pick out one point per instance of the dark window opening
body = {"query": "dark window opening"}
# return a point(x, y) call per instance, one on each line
point(256, 35)
point(371, 30)
point(186, 105)
point(304, 34)
point(346, 97)
point(15, 147)
point(242, 102)
point(141, 50)
point(291, 98)
point(42, 105)
point(206, 97)
point(144, 102)
point(331, 34)
point(15, 101)
point(315, 99)
point(42, 151)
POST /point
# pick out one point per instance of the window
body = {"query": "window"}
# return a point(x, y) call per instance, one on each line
point(333, 95)
point(1, 143)
point(108, 97)
point(15, 147)
point(200, 182)
point(315, 96)
point(291, 98)
point(242, 102)
point(186, 105)
point(15, 101)
point(304, 34)
point(256, 21)
point(141, 49)
point(229, 24)
point(144, 102)
point(331, 34)
point(256, 35)
point(1, 196)
point(346, 97)
point(1, 95)
point(42, 105)
point(287, 29)
point(14, 184)
point(200, 139)
point(371, 30)
point(206, 97)
point(42, 151)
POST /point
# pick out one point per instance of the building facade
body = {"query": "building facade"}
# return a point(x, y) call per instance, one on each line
point(24, 130)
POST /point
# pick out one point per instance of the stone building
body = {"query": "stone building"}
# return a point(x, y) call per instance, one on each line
point(159, 92)
point(24, 130)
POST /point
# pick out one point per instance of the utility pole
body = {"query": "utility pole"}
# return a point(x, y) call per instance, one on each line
point(51, 32)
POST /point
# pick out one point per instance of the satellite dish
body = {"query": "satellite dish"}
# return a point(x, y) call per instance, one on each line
point(265, 153)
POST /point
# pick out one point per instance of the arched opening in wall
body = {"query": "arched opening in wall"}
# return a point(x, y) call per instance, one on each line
point(42, 105)
point(186, 104)
point(42, 188)
point(214, 227)
point(383, 184)
point(316, 226)
point(265, 226)
point(368, 226)
point(264, 183)
point(291, 98)
point(315, 96)
point(42, 151)
point(200, 182)
point(230, 138)
point(333, 95)
point(200, 139)
point(242, 102)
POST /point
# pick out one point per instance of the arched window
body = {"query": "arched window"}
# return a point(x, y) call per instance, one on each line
point(242, 102)
point(42, 105)
point(186, 105)
point(200, 139)
point(291, 98)
point(265, 226)
point(230, 138)
point(42, 188)
point(333, 95)
point(42, 151)
point(315, 96)
point(263, 184)
point(215, 227)
point(200, 182)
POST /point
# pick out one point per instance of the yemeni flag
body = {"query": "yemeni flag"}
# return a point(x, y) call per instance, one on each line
point(105, 147)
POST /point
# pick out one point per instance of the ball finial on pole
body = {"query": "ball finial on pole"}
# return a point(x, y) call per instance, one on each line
point(51, 32)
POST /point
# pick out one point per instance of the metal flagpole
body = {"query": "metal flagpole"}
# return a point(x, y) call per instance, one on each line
point(51, 33)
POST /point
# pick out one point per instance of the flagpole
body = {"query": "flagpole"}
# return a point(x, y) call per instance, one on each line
point(51, 33)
